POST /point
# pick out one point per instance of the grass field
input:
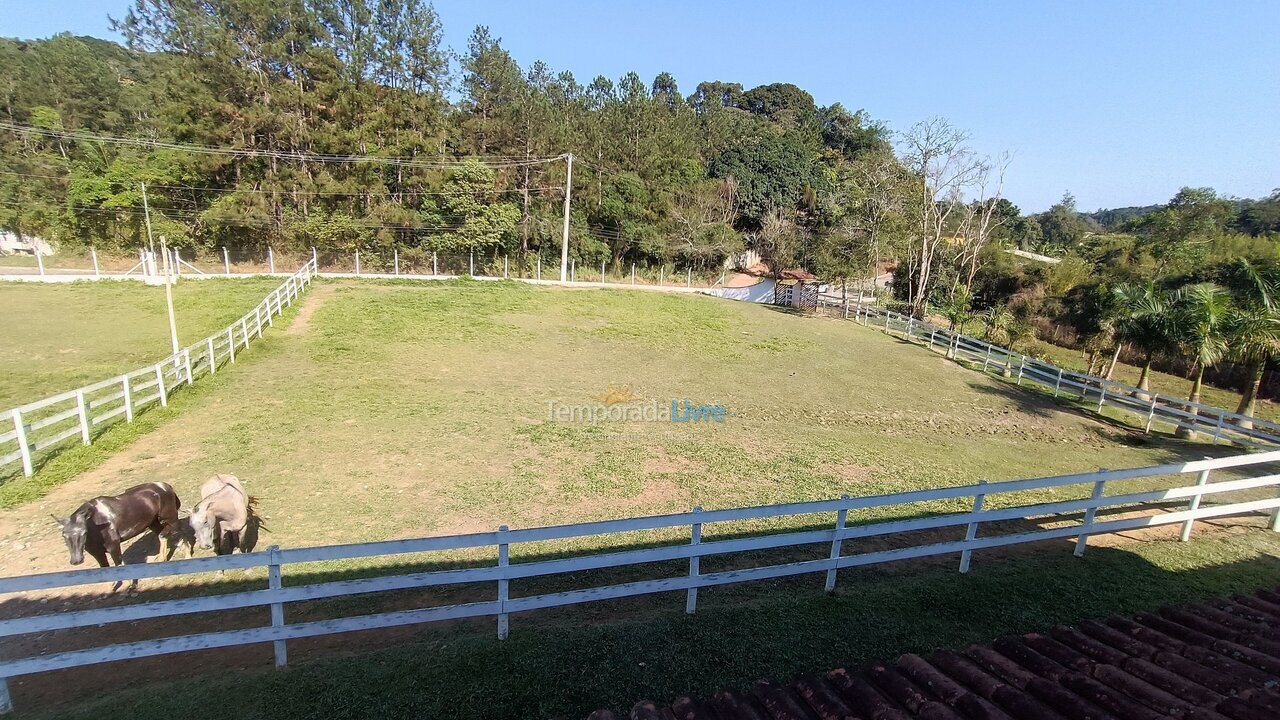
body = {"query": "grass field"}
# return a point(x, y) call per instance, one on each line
point(400, 409)
point(60, 336)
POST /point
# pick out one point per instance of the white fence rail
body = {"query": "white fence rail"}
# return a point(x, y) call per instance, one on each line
point(77, 414)
point(1140, 504)
point(1150, 407)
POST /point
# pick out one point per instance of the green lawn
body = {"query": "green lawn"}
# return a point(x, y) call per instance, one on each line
point(400, 409)
point(60, 336)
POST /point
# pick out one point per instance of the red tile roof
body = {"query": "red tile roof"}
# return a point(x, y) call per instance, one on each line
point(1215, 661)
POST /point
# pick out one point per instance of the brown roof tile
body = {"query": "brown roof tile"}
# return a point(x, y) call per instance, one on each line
point(1216, 661)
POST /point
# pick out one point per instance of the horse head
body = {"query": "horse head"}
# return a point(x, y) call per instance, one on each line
point(202, 522)
point(74, 530)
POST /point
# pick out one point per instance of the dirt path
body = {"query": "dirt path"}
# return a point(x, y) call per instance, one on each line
point(312, 302)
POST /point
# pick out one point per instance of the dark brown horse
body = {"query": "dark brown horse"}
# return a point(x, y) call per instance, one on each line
point(103, 523)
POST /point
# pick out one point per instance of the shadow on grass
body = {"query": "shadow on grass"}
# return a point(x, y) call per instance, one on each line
point(570, 660)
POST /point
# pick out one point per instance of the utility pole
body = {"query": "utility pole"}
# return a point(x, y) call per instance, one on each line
point(146, 211)
point(564, 245)
point(168, 296)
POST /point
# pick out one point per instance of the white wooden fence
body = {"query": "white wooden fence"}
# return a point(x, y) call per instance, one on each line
point(1149, 407)
point(76, 414)
point(1144, 502)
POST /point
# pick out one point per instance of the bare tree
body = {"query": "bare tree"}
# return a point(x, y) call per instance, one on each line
point(941, 165)
point(980, 219)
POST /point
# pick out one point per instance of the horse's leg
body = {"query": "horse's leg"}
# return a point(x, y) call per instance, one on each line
point(113, 550)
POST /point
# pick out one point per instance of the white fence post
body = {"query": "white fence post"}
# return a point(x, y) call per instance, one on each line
point(94, 254)
point(357, 262)
point(504, 585)
point(39, 261)
point(315, 263)
point(231, 346)
point(435, 269)
point(257, 319)
point(471, 263)
point(271, 260)
point(573, 270)
point(1058, 385)
point(164, 395)
point(82, 409)
point(395, 253)
point(1201, 480)
point(971, 532)
point(633, 273)
point(506, 266)
point(1102, 395)
point(602, 272)
point(244, 330)
point(1151, 414)
point(186, 362)
point(1022, 364)
point(277, 609)
point(177, 263)
point(688, 277)
point(539, 271)
point(213, 359)
point(23, 448)
point(1217, 431)
point(1083, 538)
point(837, 545)
point(128, 398)
point(695, 538)
point(661, 273)
point(226, 261)
point(987, 359)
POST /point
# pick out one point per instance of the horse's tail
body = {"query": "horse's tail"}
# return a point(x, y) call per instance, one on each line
point(256, 516)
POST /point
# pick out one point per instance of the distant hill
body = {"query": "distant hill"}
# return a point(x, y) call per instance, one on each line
point(1112, 218)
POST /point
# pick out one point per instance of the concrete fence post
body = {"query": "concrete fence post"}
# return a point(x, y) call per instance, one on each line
point(602, 272)
point(1201, 480)
point(395, 254)
point(1022, 364)
point(633, 273)
point(688, 277)
point(837, 543)
point(357, 262)
point(471, 263)
point(435, 269)
point(661, 272)
point(271, 260)
point(226, 261)
point(39, 261)
point(24, 449)
point(539, 271)
point(82, 410)
point(971, 532)
point(504, 585)
point(573, 270)
point(315, 263)
point(1057, 386)
point(94, 254)
point(275, 584)
point(695, 538)
point(1083, 538)
point(506, 267)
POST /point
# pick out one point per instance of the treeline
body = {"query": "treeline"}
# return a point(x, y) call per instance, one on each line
point(286, 88)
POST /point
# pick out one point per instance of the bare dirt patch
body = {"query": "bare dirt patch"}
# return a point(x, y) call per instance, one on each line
point(312, 302)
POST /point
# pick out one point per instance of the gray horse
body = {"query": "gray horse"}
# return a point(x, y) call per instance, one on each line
point(224, 518)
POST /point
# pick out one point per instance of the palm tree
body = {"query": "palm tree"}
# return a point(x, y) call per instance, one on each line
point(1255, 326)
point(1200, 315)
point(995, 324)
point(1144, 324)
point(1254, 334)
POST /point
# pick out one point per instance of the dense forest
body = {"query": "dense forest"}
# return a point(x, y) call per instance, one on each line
point(346, 124)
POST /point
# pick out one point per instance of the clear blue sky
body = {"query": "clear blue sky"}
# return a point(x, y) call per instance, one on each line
point(1119, 102)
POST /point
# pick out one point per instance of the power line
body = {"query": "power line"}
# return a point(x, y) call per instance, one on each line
point(275, 154)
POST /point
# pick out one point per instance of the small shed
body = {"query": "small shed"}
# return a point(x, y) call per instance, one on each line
point(797, 289)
